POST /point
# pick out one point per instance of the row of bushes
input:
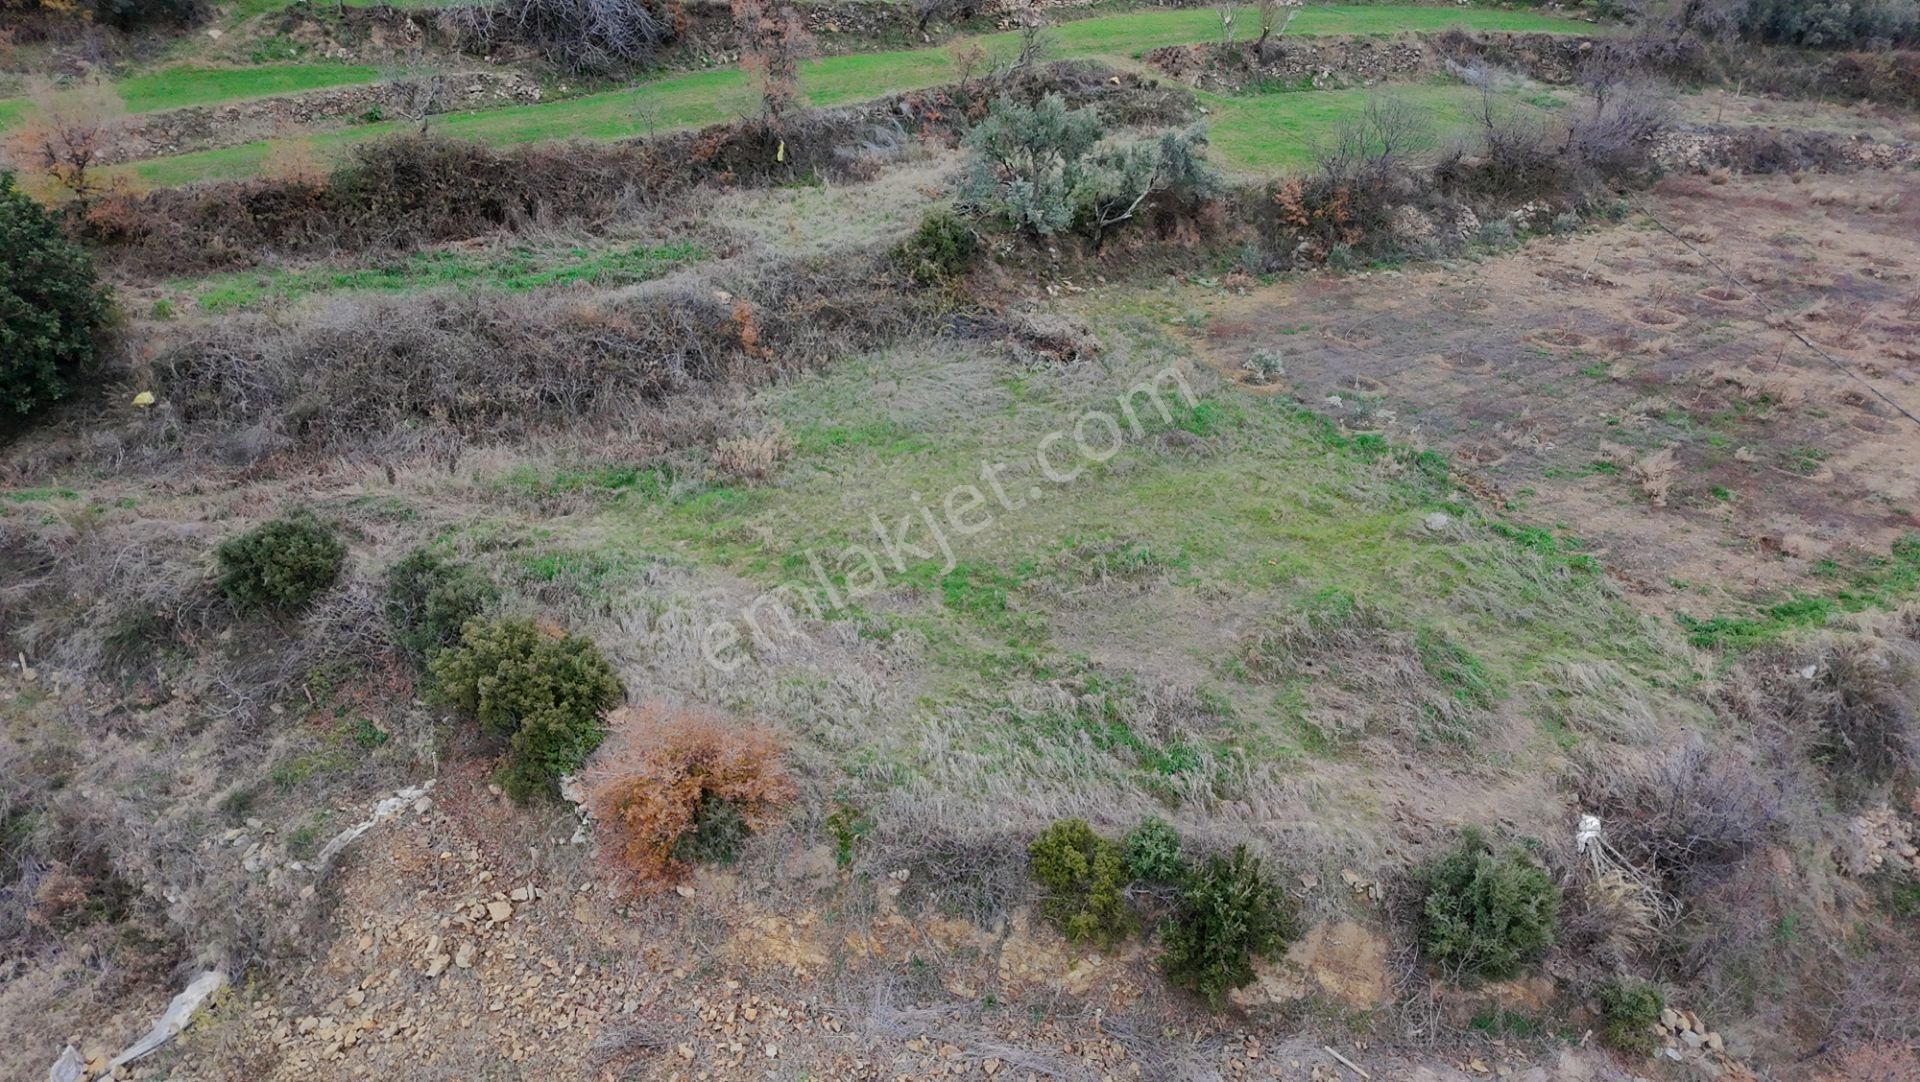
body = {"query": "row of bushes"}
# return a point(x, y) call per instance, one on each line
point(540, 692)
point(1228, 911)
point(1485, 911)
point(1828, 24)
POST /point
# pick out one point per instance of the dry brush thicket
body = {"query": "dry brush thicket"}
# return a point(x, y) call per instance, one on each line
point(388, 378)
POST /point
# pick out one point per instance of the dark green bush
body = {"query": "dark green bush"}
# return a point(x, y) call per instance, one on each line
point(719, 829)
point(52, 308)
point(943, 248)
point(1486, 912)
point(546, 694)
point(1831, 24)
point(430, 599)
point(1081, 875)
point(1153, 852)
point(281, 564)
point(129, 14)
point(1230, 914)
point(1628, 1011)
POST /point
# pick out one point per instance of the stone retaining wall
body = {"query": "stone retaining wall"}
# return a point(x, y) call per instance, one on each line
point(1325, 62)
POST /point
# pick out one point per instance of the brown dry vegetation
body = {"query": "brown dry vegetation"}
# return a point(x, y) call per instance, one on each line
point(663, 771)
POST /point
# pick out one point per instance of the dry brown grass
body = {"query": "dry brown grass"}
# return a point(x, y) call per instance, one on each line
point(752, 457)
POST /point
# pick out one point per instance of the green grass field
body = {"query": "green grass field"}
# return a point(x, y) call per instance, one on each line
point(709, 97)
point(1281, 513)
point(178, 87)
point(1266, 132)
point(174, 88)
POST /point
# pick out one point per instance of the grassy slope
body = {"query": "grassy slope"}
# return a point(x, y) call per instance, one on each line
point(174, 88)
point(1257, 508)
point(709, 97)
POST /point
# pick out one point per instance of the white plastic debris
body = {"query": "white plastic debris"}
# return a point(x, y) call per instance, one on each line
point(174, 1018)
point(382, 812)
point(573, 789)
point(1587, 835)
point(70, 1067)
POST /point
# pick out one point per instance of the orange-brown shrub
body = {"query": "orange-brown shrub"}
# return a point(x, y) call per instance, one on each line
point(662, 768)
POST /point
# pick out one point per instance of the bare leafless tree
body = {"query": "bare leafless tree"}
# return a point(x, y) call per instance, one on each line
point(772, 41)
point(1271, 24)
point(72, 134)
point(1036, 40)
point(418, 90)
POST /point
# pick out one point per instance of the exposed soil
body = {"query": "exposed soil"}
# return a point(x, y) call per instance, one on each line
point(1619, 386)
point(731, 980)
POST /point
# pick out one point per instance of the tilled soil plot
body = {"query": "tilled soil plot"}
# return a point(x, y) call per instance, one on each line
point(1709, 394)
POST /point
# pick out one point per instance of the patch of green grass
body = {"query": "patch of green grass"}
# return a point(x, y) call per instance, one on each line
point(174, 88)
point(517, 270)
point(887, 439)
point(184, 85)
point(38, 495)
point(1899, 895)
point(1275, 510)
point(1454, 668)
point(1501, 1022)
point(1804, 461)
point(1262, 133)
point(588, 572)
point(1258, 132)
point(1876, 582)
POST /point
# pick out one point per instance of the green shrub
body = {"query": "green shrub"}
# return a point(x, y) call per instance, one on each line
point(545, 694)
point(718, 831)
point(281, 564)
point(1487, 912)
point(940, 250)
point(1042, 170)
point(1230, 914)
point(1832, 24)
point(130, 14)
point(1153, 852)
point(847, 825)
point(1628, 1011)
point(52, 308)
point(1081, 875)
point(430, 599)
